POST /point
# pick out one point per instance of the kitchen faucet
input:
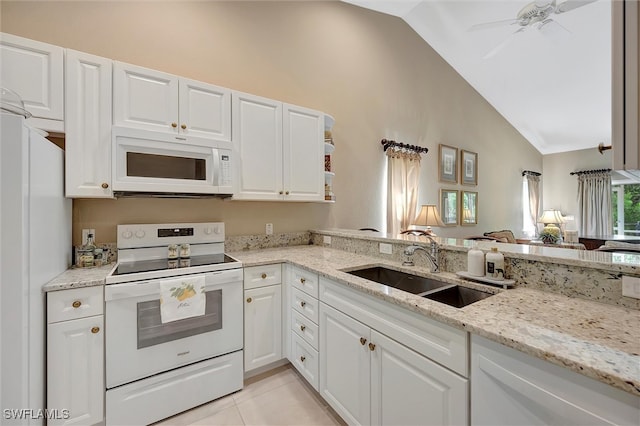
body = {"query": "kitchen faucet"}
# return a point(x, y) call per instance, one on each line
point(432, 254)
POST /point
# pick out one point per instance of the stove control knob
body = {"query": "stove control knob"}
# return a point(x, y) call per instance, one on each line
point(216, 229)
point(207, 231)
point(127, 234)
point(140, 234)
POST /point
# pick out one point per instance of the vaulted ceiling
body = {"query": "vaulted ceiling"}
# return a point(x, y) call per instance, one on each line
point(552, 83)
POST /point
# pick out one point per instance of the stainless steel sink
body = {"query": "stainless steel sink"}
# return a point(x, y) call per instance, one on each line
point(457, 296)
point(402, 281)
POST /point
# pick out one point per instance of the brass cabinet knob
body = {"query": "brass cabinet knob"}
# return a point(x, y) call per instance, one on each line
point(263, 276)
point(372, 347)
point(184, 126)
point(302, 280)
point(363, 341)
point(303, 303)
point(174, 125)
point(104, 185)
point(302, 358)
point(303, 327)
point(286, 193)
point(249, 300)
point(76, 304)
point(280, 192)
point(95, 330)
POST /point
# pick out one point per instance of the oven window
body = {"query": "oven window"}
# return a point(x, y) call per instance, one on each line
point(151, 330)
point(165, 166)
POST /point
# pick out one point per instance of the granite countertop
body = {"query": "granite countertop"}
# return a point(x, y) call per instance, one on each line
point(595, 339)
point(598, 340)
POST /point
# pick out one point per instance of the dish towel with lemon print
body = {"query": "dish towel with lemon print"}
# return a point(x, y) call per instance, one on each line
point(182, 298)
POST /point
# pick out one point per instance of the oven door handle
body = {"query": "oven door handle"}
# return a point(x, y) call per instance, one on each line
point(141, 289)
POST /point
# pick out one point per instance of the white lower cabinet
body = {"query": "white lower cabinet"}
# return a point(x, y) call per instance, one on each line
point(369, 378)
point(262, 317)
point(75, 357)
point(512, 388)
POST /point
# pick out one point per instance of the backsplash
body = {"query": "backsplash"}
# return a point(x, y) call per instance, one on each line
point(255, 242)
point(595, 284)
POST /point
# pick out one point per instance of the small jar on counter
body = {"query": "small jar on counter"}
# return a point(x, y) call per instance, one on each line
point(172, 251)
point(98, 257)
point(185, 250)
point(84, 258)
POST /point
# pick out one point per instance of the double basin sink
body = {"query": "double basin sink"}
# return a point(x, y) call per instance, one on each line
point(433, 289)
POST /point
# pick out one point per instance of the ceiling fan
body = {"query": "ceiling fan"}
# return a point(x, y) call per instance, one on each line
point(538, 13)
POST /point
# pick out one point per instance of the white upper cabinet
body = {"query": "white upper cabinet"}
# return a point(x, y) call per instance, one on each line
point(280, 148)
point(34, 70)
point(257, 140)
point(153, 100)
point(303, 153)
point(88, 125)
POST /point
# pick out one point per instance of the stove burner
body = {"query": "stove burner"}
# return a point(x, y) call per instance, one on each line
point(164, 264)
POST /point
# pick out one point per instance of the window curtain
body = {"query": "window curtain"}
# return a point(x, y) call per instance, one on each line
point(594, 204)
point(403, 179)
point(530, 203)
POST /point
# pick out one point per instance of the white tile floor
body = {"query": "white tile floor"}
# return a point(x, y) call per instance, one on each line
point(278, 397)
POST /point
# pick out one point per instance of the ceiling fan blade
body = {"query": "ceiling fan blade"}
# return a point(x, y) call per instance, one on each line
point(552, 28)
point(568, 5)
point(504, 43)
point(493, 24)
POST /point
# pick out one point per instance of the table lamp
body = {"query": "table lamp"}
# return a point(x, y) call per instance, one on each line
point(428, 217)
point(551, 220)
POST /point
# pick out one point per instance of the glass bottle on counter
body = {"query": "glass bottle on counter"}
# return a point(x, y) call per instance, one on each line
point(85, 253)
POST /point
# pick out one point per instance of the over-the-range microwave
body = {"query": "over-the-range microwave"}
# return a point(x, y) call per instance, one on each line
point(147, 163)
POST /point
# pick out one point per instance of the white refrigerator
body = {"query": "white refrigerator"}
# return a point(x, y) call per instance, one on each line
point(35, 248)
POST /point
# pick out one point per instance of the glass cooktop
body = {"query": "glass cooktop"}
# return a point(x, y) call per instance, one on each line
point(164, 264)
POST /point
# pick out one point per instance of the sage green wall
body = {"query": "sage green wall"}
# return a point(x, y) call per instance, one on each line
point(371, 71)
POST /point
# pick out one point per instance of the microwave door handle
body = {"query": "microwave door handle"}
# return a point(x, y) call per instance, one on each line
point(215, 169)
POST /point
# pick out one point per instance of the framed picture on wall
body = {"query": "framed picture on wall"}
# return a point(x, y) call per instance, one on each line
point(448, 164)
point(449, 206)
point(469, 207)
point(468, 167)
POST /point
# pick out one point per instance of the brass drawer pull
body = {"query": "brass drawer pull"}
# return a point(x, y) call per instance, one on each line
point(363, 341)
point(287, 193)
point(303, 303)
point(105, 185)
point(302, 327)
point(263, 275)
point(372, 347)
point(174, 125)
point(303, 280)
point(184, 127)
point(76, 304)
point(302, 358)
point(95, 330)
point(249, 300)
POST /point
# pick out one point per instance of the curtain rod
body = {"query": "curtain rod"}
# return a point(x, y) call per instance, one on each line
point(529, 172)
point(588, 172)
point(386, 143)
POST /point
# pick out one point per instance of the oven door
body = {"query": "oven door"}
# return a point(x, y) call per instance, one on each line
point(138, 345)
point(145, 161)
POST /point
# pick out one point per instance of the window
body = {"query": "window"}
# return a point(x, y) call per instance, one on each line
point(626, 209)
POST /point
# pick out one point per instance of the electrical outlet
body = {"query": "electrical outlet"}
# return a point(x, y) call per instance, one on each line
point(85, 234)
point(326, 239)
point(631, 287)
point(269, 229)
point(386, 248)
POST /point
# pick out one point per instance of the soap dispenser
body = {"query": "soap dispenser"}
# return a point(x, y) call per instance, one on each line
point(475, 261)
point(495, 264)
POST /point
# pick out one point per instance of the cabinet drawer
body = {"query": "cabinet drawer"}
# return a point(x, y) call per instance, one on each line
point(73, 304)
point(305, 281)
point(261, 276)
point(304, 328)
point(305, 304)
point(305, 359)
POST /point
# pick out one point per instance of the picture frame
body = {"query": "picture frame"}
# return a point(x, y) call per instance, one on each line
point(469, 208)
point(449, 206)
point(468, 167)
point(447, 164)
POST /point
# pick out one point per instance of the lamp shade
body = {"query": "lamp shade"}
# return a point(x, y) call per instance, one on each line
point(428, 216)
point(551, 216)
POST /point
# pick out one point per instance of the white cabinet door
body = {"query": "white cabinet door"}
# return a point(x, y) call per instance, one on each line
point(509, 387)
point(409, 389)
point(34, 70)
point(345, 377)
point(262, 326)
point(75, 370)
point(303, 154)
point(257, 140)
point(88, 125)
point(205, 110)
point(145, 98)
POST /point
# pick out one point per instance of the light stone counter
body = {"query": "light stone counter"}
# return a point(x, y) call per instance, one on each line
point(79, 277)
point(595, 339)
